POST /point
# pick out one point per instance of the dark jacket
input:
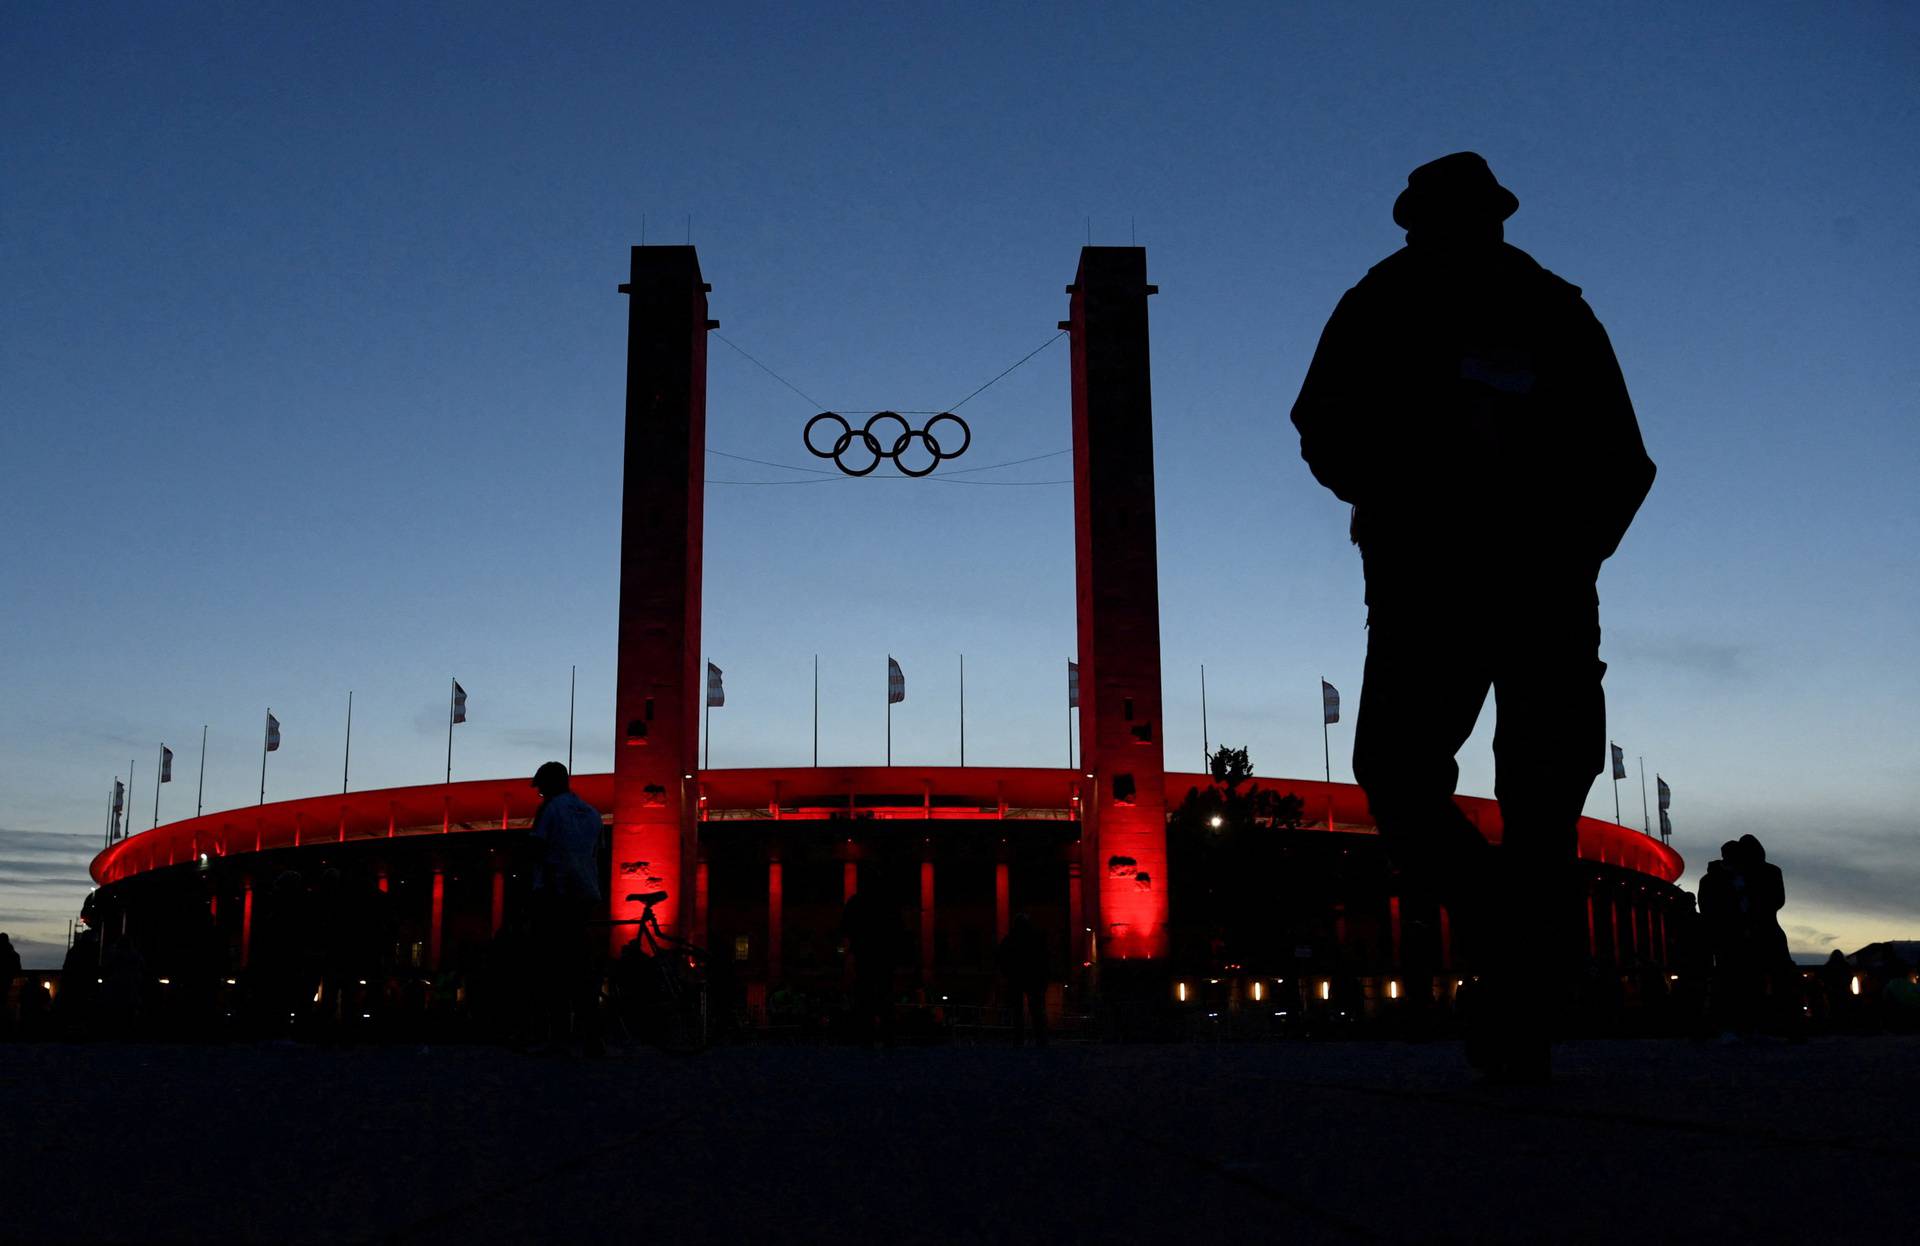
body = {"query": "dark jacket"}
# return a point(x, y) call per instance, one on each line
point(1473, 404)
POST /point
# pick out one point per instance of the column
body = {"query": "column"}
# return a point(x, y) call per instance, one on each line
point(436, 917)
point(775, 919)
point(926, 922)
point(1124, 818)
point(246, 921)
point(657, 695)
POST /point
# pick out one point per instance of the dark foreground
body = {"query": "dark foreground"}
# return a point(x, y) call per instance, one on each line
point(1653, 1140)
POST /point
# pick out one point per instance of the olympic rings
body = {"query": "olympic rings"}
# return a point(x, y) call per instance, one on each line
point(878, 449)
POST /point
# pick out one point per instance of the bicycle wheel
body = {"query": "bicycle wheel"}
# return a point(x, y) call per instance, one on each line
point(683, 1019)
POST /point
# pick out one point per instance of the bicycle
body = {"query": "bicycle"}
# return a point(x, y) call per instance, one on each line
point(660, 984)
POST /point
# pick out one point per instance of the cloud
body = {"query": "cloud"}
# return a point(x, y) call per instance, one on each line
point(44, 854)
point(1812, 937)
point(534, 739)
point(1696, 655)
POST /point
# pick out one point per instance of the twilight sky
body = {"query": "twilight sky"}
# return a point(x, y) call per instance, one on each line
point(311, 371)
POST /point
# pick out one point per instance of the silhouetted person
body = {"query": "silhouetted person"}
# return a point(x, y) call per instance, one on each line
point(1779, 976)
point(1724, 909)
point(565, 896)
point(1022, 958)
point(872, 942)
point(1835, 978)
point(9, 975)
point(1466, 402)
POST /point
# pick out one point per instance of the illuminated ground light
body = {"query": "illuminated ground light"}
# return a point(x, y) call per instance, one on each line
point(1326, 989)
point(1854, 985)
point(1393, 988)
point(1180, 991)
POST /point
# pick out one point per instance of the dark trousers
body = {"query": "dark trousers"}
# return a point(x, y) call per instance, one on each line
point(1433, 653)
point(1033, 1002)
point(566, 969)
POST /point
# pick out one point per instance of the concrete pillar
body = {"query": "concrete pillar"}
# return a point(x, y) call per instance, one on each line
point(657, 695)
point(702, 930)
point(1002, 901)
point(926, 922)
point(246, 921)
point(775, 919)
point(1124, 818)
point(436, 917)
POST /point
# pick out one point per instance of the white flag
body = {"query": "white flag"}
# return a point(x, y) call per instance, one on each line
point(273, 732)
point(1073, 685)
point(1666, 795)
point(166, 764)
point(896, 682)
point(1329, 702)
point(1619, 762)
point(716, 692)
point(459, 702)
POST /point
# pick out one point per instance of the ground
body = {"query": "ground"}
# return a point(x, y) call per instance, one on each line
point(1637, 1141)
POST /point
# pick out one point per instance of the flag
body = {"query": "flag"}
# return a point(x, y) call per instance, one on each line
point(273, 732)
point(1329, 702)
point(459, 702)
point(1619, 761)
point(1666, 793)
point(119, 797)
point(166, 764)
point(716, 691)
point(1073, 685)
point(896, 682)
point(1666, 825)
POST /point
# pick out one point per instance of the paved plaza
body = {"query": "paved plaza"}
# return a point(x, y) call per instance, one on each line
point(1637, 1141)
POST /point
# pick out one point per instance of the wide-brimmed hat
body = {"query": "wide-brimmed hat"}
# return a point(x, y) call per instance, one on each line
point(1459, 187)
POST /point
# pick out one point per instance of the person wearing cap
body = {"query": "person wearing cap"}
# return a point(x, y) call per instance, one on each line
point(1467, 404)
point(564, 897)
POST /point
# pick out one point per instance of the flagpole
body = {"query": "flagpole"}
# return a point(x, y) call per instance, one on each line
point(159, 769)
point(1326, 749)
point(1206, 745)
point(263, 758)
point(126, 826)
point(199, 793)
point(1646, 820)
point(573, 673)
point(116, 783)
point(706, 761)
point(451, 685)
point(963, 709)
point(1615, 772)
point(346, 758)
point(816, 709)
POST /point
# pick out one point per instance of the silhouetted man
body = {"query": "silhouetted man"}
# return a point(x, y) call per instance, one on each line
point(1467, 404)
point(9, 971)
point(1022, 958)
point(564, 898)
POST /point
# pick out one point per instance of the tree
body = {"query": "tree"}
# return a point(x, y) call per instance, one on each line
point(1227, 837)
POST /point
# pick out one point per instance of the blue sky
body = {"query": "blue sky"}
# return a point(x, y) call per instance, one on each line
point(311, 371)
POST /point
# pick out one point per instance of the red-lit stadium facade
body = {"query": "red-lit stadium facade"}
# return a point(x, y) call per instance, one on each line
point(758, 863)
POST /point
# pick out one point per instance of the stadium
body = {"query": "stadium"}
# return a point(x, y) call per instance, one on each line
point(1110, 859)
